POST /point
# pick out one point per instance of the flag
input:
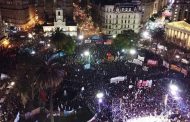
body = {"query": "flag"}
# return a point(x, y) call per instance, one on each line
point(166, 64)
point(141, 58)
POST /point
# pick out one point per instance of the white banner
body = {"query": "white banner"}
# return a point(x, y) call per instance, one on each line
point(144, 83)
point(138, 62)
point(141, 58)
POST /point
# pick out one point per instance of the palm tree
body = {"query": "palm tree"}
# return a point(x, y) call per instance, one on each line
point(25, 76)
point(62, 41)
point(50, 76)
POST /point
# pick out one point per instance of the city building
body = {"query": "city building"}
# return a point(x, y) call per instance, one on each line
point(178, 33)
point(1, 25)
point(17, 12)
point(40, 9)
point(60, 22)
point(117, 17)
point(181, 10)
point(159, 4)
point(147, 7)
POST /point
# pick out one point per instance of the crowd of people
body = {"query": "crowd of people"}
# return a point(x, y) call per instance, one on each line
point(122, 101)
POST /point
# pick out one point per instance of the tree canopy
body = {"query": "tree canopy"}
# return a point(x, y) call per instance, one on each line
point(128, 39)
point(62, 41)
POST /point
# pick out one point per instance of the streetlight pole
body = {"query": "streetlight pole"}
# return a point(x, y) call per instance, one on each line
point(100, 96)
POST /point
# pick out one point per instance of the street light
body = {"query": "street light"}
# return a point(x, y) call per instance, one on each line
point(30, 35)
point(33, 52)
point(174, 89)
point(86, 53)
point(132, 51)
point(100, 96)
point(81, 37)
point(177, 56)
point(114, 36)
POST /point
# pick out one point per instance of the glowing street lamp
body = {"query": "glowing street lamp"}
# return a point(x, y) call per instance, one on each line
point(48, 45)
point(30, 35)
point(100, 96)
point(114, 36)
point(173, 89)
point(81, 37)
point(33, 52)
point(86, 53)
point(12, 83)
point(132, 51)
point(177, 56)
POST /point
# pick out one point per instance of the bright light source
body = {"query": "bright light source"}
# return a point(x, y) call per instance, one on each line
point(5, 43)
point(48, 45)
point(114, 36)
point(146, 34)
point(33, 52)
point(30, 35)
point(100, 100)
point(12, 83)
point(132, 51)
point(81, 37)
point(86, 53)
point(100, 95)
point(177, 56)
point(174, 87)
point(123, 50)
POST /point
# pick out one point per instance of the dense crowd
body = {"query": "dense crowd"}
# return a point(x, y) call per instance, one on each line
point(123, 100)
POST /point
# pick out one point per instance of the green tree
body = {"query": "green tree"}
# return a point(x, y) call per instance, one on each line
point(50, 76)
point(128, 39)
point(62, 41)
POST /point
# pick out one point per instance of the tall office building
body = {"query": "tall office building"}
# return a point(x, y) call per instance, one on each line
point(17, 12)
point(181, 10)
point(147, 9)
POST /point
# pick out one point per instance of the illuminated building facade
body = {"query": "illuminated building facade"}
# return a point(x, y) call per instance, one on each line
point(159, 4)
point(181, 10)
point(60, 22)
point(17, 12)
point(116, 18)
point(147, 9)
point(178, 33)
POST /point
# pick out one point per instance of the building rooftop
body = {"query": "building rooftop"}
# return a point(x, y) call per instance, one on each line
point(180, 24)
